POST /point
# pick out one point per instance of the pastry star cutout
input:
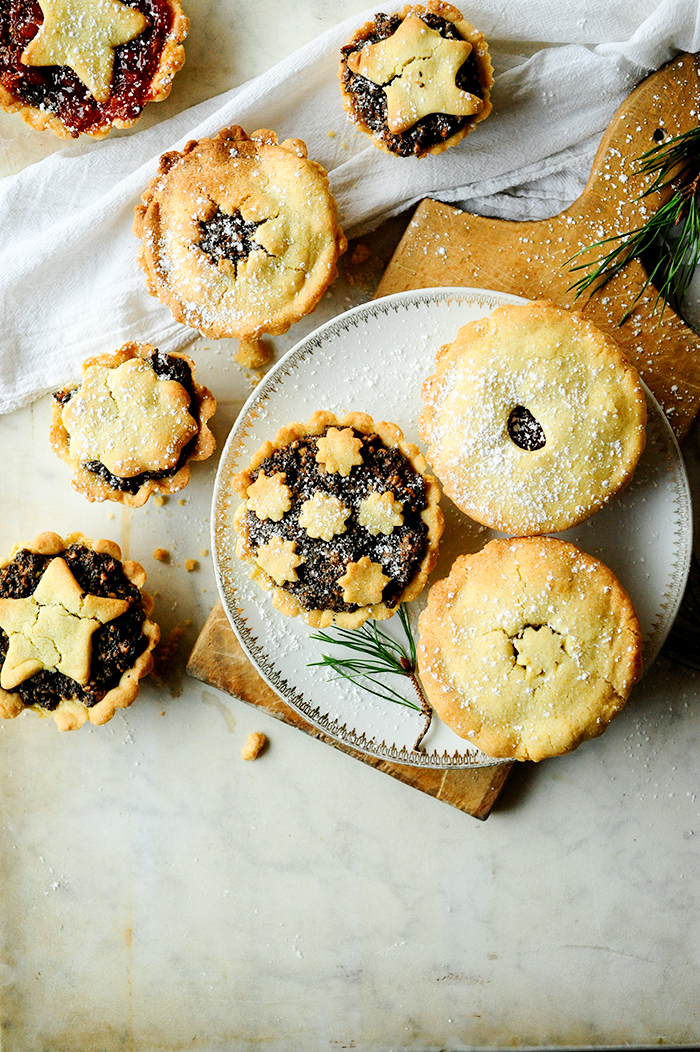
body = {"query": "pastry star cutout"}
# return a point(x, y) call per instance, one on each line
point(269, 497)
point(83, 34)
point(417, 69)
point(52, 628)
point(363, 582)
point(380, 513)
point(339, 451)
point(323, 516)
point(280, 559)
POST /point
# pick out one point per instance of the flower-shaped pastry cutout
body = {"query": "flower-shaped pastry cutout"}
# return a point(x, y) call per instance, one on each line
point(380, 513)
point(323, 516)
point(268, 496)
point(339, 451)
point(279, 558)
point(363, 582)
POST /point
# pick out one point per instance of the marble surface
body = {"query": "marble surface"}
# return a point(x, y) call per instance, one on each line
point(159, 893)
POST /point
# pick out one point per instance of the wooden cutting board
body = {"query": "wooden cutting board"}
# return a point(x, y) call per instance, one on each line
point(443, 246)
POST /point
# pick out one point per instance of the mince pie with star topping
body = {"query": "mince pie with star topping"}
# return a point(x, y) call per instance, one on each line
point(132, 425)
point(75, 631)
point(418, 82)
point(240, 234)
point(85, 66)
point(340, 519)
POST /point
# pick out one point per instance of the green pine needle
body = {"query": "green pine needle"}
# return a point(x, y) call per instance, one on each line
point(674, 164)
point(381, 655)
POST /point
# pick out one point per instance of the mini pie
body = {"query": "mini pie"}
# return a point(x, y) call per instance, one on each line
point(240, 234)
point(132, 425)
point(528, 648)
point(86, 66)
point(533, 418)
point(75, 633)
point(340, 519)
point(418, 81)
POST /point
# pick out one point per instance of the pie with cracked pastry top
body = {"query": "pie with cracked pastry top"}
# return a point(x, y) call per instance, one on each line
point(75, 630)
point(417, 82)
point(85, 66)
point(340, 519)
point(132, 425)
point(239, 234)
point(528, 648)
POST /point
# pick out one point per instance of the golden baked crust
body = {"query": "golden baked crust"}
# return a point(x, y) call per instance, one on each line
point(29, 647)
point(170, 60)
point(324, 515)
point(528, 647)
point(586, 398)
point(240, 234)
point(432, 90)
point(151, 433)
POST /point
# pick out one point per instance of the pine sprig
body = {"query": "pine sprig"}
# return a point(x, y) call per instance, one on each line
point(380, 655)
point(671, 234)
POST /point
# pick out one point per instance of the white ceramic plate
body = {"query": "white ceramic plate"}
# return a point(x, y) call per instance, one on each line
point(374, 359)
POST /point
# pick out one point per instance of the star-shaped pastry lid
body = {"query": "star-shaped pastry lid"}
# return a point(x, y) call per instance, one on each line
point(417, 67)
point(52, 629)
point(83, 34)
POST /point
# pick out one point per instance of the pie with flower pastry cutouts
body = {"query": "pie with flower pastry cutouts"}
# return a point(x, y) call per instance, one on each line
point(85, 66)
point(133, 424)
point(361, 521)
point(418, 82)
point(75, 632)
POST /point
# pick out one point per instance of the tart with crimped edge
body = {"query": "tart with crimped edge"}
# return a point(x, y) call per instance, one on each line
point(75, 630)
point(86, 66)
point(340, 519)
point(239, 234)
point(133, 424)
point(417, 82)
point(533, 418)
point(528, 648)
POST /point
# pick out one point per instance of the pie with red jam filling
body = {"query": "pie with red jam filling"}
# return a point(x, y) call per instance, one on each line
point(85, 66)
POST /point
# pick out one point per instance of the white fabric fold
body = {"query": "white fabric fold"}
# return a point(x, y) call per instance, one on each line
point(69, 282)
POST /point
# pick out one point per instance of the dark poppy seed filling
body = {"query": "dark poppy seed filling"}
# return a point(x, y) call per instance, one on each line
point(115, 645)
point(60, 91)
point(525, 431)
point(369, 99)
point(400, 552)
point(167, 367)
point(228, 237)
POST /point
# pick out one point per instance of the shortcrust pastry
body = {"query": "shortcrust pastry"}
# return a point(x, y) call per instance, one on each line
point(533, 418)
point(85, 66)
point(528, 648)
point(340, 519)
point(418, 82)
point(132, 425)
point(240, 234)
point(75, 631)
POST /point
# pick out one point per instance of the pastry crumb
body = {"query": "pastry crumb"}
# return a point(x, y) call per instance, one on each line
point(191, 565)
point(331, 135)
point(159, 500)
point(182, 501)
point(254, 746)
point(204, 553)
point(162, 555)
point(360, 254)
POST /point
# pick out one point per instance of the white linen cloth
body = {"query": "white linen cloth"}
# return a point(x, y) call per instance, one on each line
point(69, 283)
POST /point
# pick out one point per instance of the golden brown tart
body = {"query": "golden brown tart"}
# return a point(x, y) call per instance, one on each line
point(417, 82)
point(86, 66)
point(75, 632)
point(340, 519)
point(132, 425)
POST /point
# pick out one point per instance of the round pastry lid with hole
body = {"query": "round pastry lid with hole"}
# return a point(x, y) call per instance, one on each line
point(374, 359)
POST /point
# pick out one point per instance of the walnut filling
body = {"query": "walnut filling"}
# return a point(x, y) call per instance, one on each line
point(228, 237)
point(166, 367)
point(115, 645)
point(338, 539)
point(369, 100)
point(525, 431)
point(59, 90)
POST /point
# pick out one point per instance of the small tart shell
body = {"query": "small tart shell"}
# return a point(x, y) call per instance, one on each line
point(172, 59)
point(71, 714)
point(274, 184)
point(483, 62)
point(485, 670)
point(391, 435)
point(96, 488)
